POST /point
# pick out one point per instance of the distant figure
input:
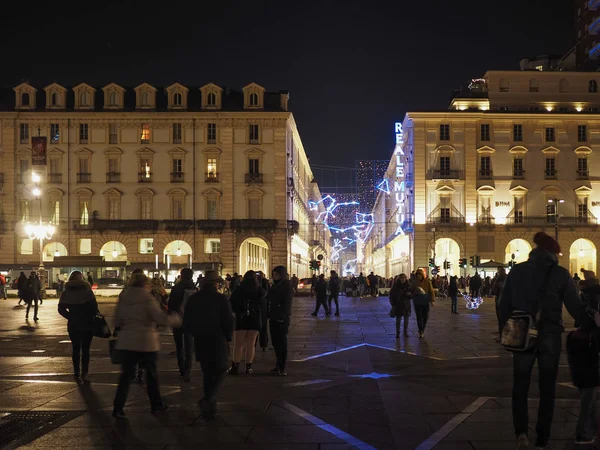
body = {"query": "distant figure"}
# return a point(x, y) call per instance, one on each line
point(263, 335)
point(90, 279)
point(320, 288)
point(280, 310)
point(32, 294)
point(453, 293)
point(21, 282)
point(295, 282)
point(373, 288)
point(423, 297)
point(3, 286)
point(475, 284)
point(400, 301)
point(576, 278)
point(334, 292)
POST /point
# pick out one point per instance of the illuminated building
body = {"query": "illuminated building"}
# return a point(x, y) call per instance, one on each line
point(513, 155)
point(159, 178)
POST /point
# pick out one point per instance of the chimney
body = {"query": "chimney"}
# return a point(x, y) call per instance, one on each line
point(284, 99)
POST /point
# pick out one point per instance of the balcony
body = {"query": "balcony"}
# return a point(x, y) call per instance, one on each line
point(124, 226)
point(178, 224)
point(254, 224)
point(445, 174)
point(211, 177)
point(293, 227)
point(550, 174)
point(113, 177)
point(145, 177)
point(177, 177)
point(210, 225)
point(77, 225)
point(211, 140)
point(486, 222)
point(254, 178)
point(583, 174)
point(549, 221)
point(485, 174)
point(254, 141)
point(447, 217)
point(55, 178)
point(518, 174)
point(84, 177)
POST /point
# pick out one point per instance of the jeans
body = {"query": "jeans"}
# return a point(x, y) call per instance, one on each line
point(422, 312)
point(398, 319)
point(279, 333)
point(547, 354)
point(81, 342)
point(587, 425)
point(321, 301)
point(334, 296)
point(184, 343)
point(128, 369)
point(213, 375)
point(35, 308)
point(454, 303)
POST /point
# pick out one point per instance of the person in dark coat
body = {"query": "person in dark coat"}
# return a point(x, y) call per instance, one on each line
point(263, 334)
point(453, 293)
point(373, 287)
point(400, 296)
point(246, 303)
point(320, 288)
point(209, 318)
point(21, 282)
point(280, 310)
point(539, 281)
point(313, 283)
point(78, 305)
point(295, 282)
point(334, 291)
point(497, 286)
point(184, 341)
point(32, 294)
point(475, 284)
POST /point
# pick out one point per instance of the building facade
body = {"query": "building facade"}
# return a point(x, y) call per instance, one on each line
point(159, 178)
point(516, 153)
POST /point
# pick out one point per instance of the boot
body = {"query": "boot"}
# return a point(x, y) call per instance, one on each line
point(249, 368)
point(235, 368)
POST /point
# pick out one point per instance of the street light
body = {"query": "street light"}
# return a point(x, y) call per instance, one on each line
point(556, 202)
point(41, 232)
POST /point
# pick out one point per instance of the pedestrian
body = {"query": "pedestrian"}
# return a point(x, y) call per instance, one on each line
point(373, 288)
point(280, 310)
point(209, 318)
point(295, 282)
point(475, 284)
point(423, 298)
point(136, 318)
point(354, 286)
point(199, 281)
point(3, 286)
point(32, 295)
point(496, 290)
point(313, 282)
point(246, 303)
point(21, 283)
point(263, 335)
point(400, 295)
point(90, 279)
point(453, 293)
point(78, 305)
point(321, 296)
point(334, 292)
point(362, 281)
point(234, 283)
point(538, 285)
point(575, 278)
point(183, 338)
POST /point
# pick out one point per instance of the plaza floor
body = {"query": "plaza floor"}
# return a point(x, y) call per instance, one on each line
point(351, 384)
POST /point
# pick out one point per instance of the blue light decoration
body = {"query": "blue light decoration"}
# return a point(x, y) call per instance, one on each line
point(472, 302)
point(372, 375)
point(384, 186)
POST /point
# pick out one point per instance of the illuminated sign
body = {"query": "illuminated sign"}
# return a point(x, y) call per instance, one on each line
point(399, 183)
point(502, 203)
point(595, 203)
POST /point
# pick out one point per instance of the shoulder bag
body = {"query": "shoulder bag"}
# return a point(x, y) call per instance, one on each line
point(520, 332)
point(100, 328)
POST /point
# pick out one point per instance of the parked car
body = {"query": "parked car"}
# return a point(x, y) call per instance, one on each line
point(108, 283)
point(304, 286)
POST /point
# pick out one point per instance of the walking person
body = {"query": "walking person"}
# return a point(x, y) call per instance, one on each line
point(497, 286)
point(453, 293)
point(539, 284)
point(246, 303)
point(280, 310)
point(475, 285)
point(136, 319)
point(334, 292)
point(373, 288)
point(32, 295)
point(400, 295)
point(209, 318)
point(21, 284)
point(320, 289)
point(78, 305)
point(90, 279)
point(313, 282)
point(184, 341)
point(3, 286)
point(423, 298)
point(295, 282)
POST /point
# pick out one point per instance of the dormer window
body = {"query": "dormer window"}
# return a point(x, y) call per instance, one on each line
point(177, 99)
point(84, 99)
point(145, 96)
point(254, 99)
point(55, 96)
point(25, 99)
point(54, 100)
point(145, 99)
point(253, 96)
point(84, 96)
point(113, 99)
point(177, 96)
point(211, 96)
point(211, 99)
point(25, 96)
point(113, 96)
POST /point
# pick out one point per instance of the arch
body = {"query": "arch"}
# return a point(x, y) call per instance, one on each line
point(253, 99)
point(178, 251)
point(254, 254)
point(518, 149)
point(445, 148)
point(518, 247)
point(593, 86)
point(582, 255)
point(583, 150)
point(52, 249)
point(447, 249)
point(114, 251)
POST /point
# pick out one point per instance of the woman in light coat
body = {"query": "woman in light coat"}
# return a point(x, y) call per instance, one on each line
point(136, 319)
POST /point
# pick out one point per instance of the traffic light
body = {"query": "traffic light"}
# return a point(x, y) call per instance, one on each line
point(431, 262)
point(448, 264)
point(477, 261)
point(472, 261)
point(462, 263)
point(314, 264)
point(318, 264)
point(437, 270)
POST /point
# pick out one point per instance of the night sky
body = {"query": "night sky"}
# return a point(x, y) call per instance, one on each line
point(352, 68)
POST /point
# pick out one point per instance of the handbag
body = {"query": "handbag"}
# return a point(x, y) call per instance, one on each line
point(116, 356)
point(520, 332)
point(393, 311)
point(100, 328)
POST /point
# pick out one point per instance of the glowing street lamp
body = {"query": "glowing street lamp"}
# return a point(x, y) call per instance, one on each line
point(40, 231)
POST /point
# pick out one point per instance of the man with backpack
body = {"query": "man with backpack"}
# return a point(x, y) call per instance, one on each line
point(184, 340)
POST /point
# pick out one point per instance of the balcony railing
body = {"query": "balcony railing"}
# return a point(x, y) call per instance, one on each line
point(113, 177)
point(122, 225)
point(445, 221)
point(518, 173)
point(485, 174)
point(211, 177)
point(550, 174)
point(178, 224)
point(445, 174)
point(84, 177)
point(55, 178)
point(549, 221)
point(177, 177)
point(594, 26)
point(485, 221)
point(254, 178)
point(254, 224)
point(145, 177)
point(207, 224)
point(211, 140)
point(583, 174)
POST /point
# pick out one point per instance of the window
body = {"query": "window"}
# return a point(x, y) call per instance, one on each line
point(177, 209)
point(25, 210)
point(254, 99)
point(113, 208)
point(518, 209)
point(593, 86)
point(485, 166)
point(54, 173)
point(84, 99)
point(145, 170)
point(56, 213)
point(444, 166)
point(145, 99)
point(177, 175)
point(84, 166)
point(25, 99)
point(177, 99)
point(551, 212)
point(253, 134)
point(146, 208)
point(211, 209)
point(176, 133)
point(54, 99)
point(24, 133)
point(85, 246)
point(113, 133)
point(550, 172)
point(518, 171)
point(549, 134)
point(113, 99)
point(213, 246)
point(145, 136)
point(211, 133)
point(83, 133)
point(253, 166)
point(485, 132)
point(582, 210)
point(211, 99)
point(582, 167)
point(517, 132)
point(253, 208)
point(84, 213)
point(582, 133)
point(23, 169)
point(113, 175)
point(54, 133)
point(146, 245)
point(444, 132)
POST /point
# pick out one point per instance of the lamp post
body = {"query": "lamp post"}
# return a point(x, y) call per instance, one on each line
point(434, 241)
point(556, 202)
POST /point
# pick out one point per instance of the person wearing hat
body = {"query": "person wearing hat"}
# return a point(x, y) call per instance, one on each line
point(209, 318)
point(280, 310)
point(538, 283)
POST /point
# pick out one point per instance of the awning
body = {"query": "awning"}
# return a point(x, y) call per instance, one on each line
point(491, 264)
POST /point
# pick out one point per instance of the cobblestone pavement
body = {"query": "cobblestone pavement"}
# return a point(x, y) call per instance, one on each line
point(351, 384)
